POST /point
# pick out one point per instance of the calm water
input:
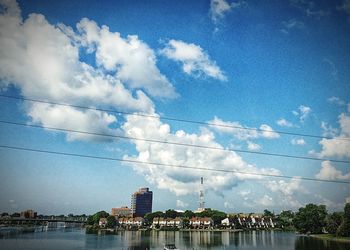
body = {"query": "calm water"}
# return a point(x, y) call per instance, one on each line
point(77, 239)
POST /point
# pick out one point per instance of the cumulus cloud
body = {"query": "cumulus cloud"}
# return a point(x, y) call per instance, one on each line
point(300, 141)
point(266, 201)
point(284, 187)
point(329, 172)
point(133, 60)
point(43, 61)
point(339, 146)
point(240, 132)
point(285, 191)
point(195, 61)
point(218, 8)
point(304, 112)
point(253, 146)
point(182, 204)
point(284, 123)
point(328, 130)
point(67, 118)
point(175, 179)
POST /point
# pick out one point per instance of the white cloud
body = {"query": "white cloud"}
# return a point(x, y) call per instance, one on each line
point(195, 61)
point(133, 60)
point(240, 132)
point(43, 61)
point(292, 24)
point(284, 187)
point(304, 112)
point(328, 130)
point(329, 172)
point(300, 141)
point(266, 201)
point(244, 193)
point(253, 146)
point(336, 100)
point(285, 191)
point(182, 204)
point(70, 118)
point(338, 146)
point(218, 8)
point(178, 180)
point(284, 123)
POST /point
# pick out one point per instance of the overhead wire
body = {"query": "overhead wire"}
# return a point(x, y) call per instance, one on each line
point(171, 142)
point(167, 165)
point(175, 119)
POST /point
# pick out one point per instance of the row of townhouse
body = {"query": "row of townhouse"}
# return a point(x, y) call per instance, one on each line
point(167, 222)
point(194, 222)
point(204, 222)
point(125, 222)
point(248, 222)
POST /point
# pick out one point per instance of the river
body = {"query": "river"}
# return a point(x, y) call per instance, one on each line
point(78, 239)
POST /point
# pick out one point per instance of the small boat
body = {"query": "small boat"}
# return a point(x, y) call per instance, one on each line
point(170, 246)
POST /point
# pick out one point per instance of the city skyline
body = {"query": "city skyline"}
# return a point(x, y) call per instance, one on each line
point(249, 87)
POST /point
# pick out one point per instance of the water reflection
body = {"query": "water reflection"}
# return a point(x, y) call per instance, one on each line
point(137, 240)
point(303, 243)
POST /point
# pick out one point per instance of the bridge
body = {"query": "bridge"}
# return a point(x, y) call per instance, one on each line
point(44, 222)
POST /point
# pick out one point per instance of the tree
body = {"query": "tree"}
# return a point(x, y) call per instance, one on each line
point(94, 219)
point(111, 222)
point(333, 222)
point(170, 213)
point(344, 228)
point(268, 213)
point(188, 214)
point(285, 219)
point(150, 216)
point(310, 219)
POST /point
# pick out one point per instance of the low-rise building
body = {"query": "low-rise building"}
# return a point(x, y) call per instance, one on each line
point(130, 221)
point(29, 214)
point(167, 222)
point(121, 212)
point(205, 222)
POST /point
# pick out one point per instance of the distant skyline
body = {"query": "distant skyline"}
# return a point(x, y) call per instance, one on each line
point(279, 66)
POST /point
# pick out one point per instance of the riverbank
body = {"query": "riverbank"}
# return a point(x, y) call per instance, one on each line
point(331, 237)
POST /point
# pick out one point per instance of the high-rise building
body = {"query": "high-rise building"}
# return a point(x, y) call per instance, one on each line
point(141, 202)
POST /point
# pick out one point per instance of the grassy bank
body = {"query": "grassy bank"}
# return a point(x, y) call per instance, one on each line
point(331, 237)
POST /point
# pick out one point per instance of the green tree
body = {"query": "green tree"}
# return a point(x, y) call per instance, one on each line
point(150, 216)
point(111, 222)
point(170, 213)
point(188, 214)
point(344, 228)
point(333, 222)
point(310, 219)
point(268, 213)
point(285, 219)
point(95, 218)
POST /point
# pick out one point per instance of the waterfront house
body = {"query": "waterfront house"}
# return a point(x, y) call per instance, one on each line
point(205, 222)
point(228, 222)
point(102, 222)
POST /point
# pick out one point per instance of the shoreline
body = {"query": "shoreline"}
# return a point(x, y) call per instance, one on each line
point(331, 237)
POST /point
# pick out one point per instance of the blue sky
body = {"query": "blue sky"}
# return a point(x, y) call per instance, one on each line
point(278, 66)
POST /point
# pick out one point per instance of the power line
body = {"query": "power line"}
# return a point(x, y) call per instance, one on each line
point(176, 119)
point(173, 143)
point(167, 165)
